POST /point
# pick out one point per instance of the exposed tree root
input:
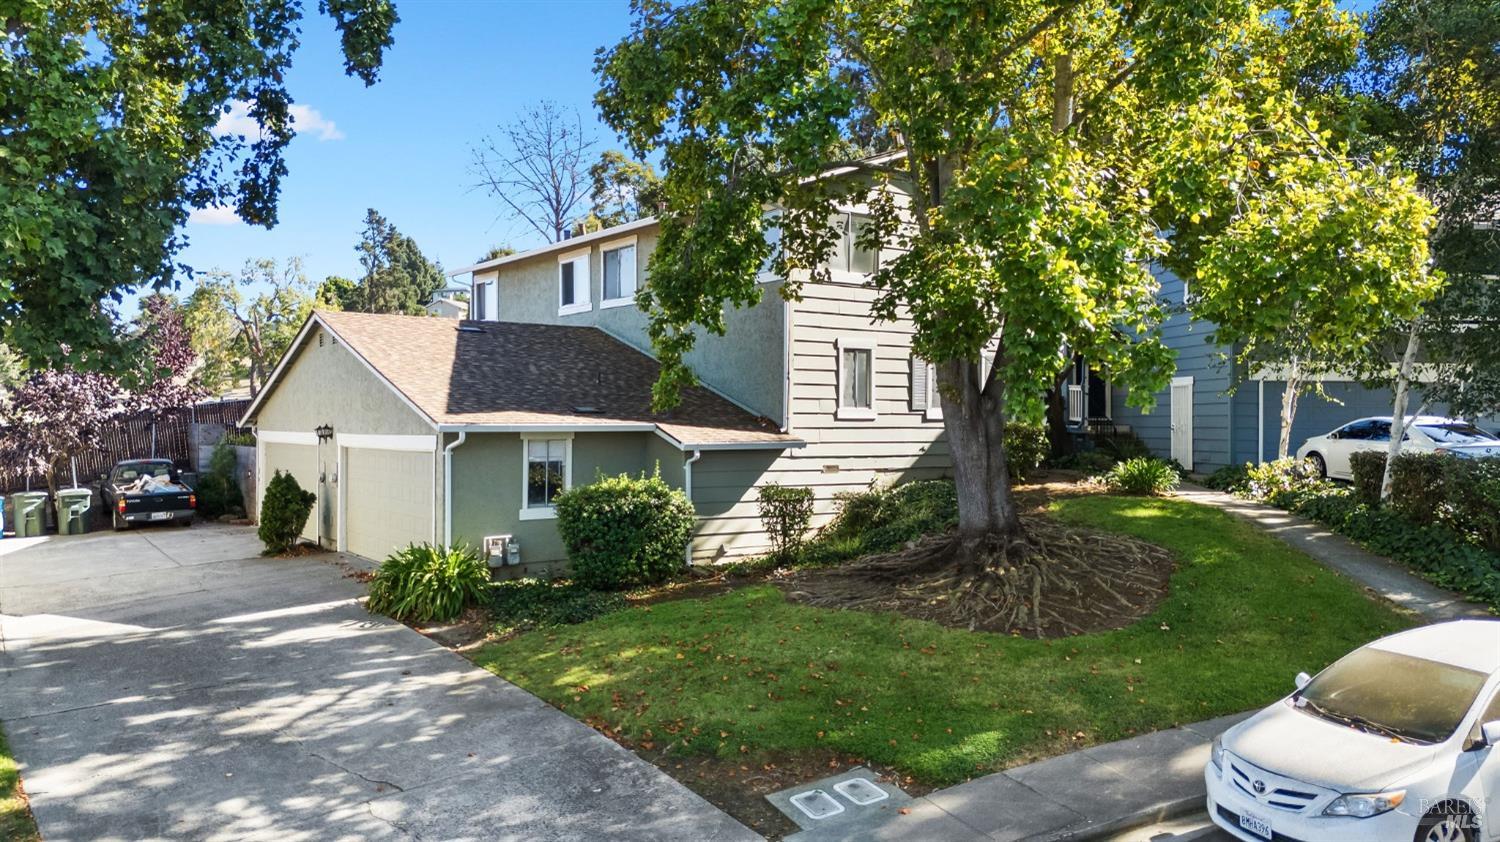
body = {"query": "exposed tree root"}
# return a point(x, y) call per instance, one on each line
point(1052, 580)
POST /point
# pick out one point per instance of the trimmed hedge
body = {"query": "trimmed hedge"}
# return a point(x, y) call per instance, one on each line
point(1472, 497)
point(623, 531)
point(1368, 470)
point(1417, 485)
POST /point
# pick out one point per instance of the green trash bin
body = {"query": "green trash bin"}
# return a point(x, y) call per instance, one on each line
point(2, 515)
point(73, 510)
point(29, 507)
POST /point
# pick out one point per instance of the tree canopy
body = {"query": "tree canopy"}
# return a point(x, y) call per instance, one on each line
point(1043, 154)
point(109, 113)
point(241, 325)
point(398, 278)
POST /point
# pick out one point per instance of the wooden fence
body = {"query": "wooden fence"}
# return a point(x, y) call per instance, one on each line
point(130, 437)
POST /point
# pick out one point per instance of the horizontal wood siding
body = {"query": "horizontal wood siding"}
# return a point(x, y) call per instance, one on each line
point(1199, 358)
point(841, 455)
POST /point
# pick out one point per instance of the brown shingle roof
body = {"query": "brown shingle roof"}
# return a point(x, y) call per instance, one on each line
point(535, 374)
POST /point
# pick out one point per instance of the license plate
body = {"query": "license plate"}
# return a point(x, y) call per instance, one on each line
point(1256, 825)
point(161, 515)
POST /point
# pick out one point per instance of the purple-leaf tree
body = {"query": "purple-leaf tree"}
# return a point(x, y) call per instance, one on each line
point(52, 417)
point(165, 382)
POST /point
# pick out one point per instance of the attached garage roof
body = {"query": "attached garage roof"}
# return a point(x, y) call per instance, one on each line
point(508, 374)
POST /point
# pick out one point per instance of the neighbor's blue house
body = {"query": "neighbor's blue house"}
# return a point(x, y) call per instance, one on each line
point(1214, 414)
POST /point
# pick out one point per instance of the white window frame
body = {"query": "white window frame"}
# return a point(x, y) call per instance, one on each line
point(934, 411)
point(543, 512)
point(841, 274)
point(635, 281)
point(582, 282)
point(479, 297)
point(854, 413)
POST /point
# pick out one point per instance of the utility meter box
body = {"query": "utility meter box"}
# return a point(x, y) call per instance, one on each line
point(502, 550)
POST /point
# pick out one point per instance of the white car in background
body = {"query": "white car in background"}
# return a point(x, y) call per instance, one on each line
point(1398, 740)
point(1330, 452)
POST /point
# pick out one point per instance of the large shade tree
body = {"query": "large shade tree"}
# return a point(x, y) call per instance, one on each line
point(109, 111)
point(1429, 87)
point(1038, 151)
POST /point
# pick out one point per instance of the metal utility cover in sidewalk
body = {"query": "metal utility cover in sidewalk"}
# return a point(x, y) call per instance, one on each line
point(840, 807)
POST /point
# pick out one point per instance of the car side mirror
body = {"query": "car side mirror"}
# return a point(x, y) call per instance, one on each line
point(1303, 679)
point(1489, 732)
point(1335, 435)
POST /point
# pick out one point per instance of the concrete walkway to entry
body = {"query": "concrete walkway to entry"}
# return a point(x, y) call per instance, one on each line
point(1380, 575)
point(172, 684)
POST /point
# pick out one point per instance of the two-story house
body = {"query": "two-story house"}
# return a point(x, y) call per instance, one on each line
point(420, 429)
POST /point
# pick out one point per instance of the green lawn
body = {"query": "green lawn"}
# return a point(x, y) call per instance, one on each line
point(15, 819)
point(749, 673)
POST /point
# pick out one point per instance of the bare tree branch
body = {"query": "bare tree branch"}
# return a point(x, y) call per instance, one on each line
point(537, 167)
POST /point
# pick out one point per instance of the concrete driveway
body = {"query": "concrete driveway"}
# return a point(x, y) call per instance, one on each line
point(172, 684)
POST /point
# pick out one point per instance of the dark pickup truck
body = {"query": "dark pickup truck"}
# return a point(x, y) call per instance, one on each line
point(146, 491)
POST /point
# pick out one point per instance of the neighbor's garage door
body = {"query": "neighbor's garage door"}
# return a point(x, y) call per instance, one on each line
point(388, 500)
point(299, 460)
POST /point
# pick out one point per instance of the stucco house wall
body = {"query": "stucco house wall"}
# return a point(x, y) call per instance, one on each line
point(323, 382)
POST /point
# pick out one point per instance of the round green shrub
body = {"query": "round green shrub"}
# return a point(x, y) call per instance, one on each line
point(1026, 448)
point(426, 584)
point(785, 512)
point(1142, 475)
point(624, 530)
point(1231, 478)
point(283, 513)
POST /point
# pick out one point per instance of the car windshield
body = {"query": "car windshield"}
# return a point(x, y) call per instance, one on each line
point(1457, 432)
point(1393, 695)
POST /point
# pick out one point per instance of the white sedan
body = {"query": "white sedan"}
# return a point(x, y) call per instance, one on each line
point(1330, 452)
point(1397, 741)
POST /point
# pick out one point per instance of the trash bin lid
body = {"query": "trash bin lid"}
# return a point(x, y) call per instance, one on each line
point(74, 493)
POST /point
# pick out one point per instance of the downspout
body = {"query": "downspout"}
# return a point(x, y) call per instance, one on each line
point(687, 489)
point(1260, 426)
point(448, 485)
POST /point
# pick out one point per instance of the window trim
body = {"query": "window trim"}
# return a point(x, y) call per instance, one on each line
point(584, 303)
point(543, 512)
point(934, 410)
point(478, 298)
point(616, 245)
point(854, 413)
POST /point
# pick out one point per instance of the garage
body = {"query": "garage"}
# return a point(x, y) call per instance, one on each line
point(387, 487)
point(296, 454)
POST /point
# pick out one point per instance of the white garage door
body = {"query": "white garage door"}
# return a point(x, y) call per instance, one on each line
point(388, 500)
point(299, 460)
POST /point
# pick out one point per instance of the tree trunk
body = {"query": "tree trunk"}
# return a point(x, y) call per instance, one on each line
point(974, 419)
point(1289, 408)
point(1398, 412)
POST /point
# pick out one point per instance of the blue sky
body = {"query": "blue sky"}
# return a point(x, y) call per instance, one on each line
point(458, 68)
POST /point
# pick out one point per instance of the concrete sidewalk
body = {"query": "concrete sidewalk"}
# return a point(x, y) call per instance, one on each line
point(1083, 795)
point(1380, 575)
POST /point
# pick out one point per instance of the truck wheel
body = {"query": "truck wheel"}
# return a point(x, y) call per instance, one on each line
point(185, 521)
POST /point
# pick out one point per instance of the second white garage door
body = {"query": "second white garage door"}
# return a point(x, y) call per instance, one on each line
point(388, 500)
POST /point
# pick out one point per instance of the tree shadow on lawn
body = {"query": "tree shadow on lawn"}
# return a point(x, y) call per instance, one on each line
point(748, 677)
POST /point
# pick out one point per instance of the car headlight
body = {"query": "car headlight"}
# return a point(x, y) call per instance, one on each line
point(1365, 805)
point(1216, 754)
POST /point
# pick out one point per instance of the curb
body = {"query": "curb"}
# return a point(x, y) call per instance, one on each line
point(1140, 818)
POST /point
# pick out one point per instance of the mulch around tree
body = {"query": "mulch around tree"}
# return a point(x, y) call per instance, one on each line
point(1086, 581)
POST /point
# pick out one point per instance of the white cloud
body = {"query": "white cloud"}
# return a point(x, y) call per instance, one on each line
point(305, 120)
point(214, 215)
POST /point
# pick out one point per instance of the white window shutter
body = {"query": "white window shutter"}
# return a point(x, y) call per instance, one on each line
point(919, 388)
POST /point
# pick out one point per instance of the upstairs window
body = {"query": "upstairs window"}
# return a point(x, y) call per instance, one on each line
point(848, 255)
point(856, 379)
point(478, 299)
point(619, 273)
point(548, 470)
point(573, 294)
